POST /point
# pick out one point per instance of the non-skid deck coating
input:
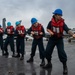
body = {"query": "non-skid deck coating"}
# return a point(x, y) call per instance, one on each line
point(14, 66)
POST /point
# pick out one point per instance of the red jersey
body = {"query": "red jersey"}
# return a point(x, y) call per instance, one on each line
point(10, 29)
point(1, 30)
point(37, 31)
point(21, 30)
point(57, 27)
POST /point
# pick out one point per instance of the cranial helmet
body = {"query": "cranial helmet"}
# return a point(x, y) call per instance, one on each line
point(58, 11)
point(33, 20)
point(8, 23)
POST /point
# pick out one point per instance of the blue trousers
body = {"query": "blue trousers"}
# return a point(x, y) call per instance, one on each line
point(60, 49)
point(10, 41)
point(39, 43)
point(20, 45)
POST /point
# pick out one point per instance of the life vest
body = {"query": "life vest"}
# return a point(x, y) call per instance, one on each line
point(1, 30)
point(37, 31)
point(9, 29)
point(20, 30)
point(57, 27)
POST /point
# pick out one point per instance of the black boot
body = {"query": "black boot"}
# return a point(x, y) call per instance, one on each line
point(13, 55)
point(42, 63)
point(18, 55)
point(6, 54)
point(47, 66)
point(65, 69)
point(22, 57)
point(2, 52)
point(30, 60)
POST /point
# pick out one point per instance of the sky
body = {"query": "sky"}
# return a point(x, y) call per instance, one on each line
point(14, 10)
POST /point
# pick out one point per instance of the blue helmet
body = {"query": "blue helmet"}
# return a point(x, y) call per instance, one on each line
point(17, 23)
point(8, 23)
point(33, 20)
point(58, 11)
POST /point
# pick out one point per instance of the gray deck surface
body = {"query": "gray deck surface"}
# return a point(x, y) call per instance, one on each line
point(14, 66)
